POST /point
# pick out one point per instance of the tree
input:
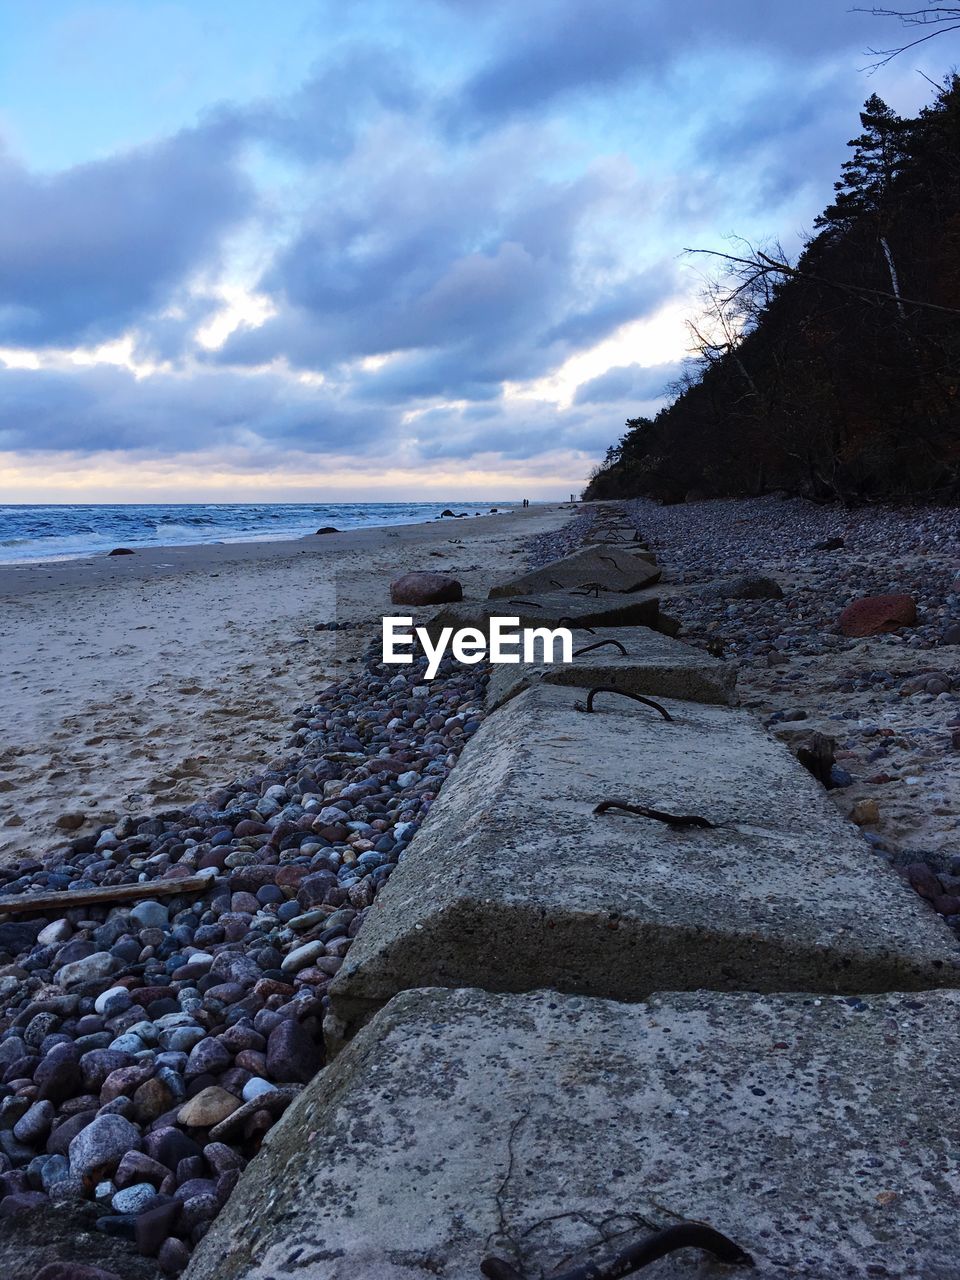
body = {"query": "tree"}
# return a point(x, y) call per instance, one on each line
point(866, 189)
point(881, 153)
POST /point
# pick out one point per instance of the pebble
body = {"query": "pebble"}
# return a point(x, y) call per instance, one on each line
point(207, 1108)
point(101, 1145)
point(149, 915)
point(88, 970)
point(256, 1086)
point(300, 957)
point(134, 1199)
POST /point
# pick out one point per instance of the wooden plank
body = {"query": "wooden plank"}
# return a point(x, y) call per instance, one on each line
point(64, 901)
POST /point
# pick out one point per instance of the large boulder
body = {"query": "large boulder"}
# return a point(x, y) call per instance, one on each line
point(425, 588)
point(875, 615)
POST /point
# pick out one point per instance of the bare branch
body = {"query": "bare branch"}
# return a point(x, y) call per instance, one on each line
point(944, 18)
point(765, 265)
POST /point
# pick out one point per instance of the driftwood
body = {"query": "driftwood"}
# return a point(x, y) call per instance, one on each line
point(26, 903)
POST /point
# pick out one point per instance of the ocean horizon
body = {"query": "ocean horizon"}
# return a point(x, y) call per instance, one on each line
point(38, 532)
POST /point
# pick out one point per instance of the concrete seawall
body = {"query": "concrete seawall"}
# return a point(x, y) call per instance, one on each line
point(514, 877)
point(561, 1030)
point(544, 1128)
point(651, 664)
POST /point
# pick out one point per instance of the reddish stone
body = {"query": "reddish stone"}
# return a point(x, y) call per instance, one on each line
point(425, 588)
point(332, 831)
point(874, 615)
point(154, 1226)
point(250, 827)
point(21, 1202)
point(947, 904)
point(923, 880)
point(250, 879)
point(384, 764)
point(267, 987)
point(292, 1054)
point(314, 887)
point(125, 1081)
point(147, 995)
point(243, 900)
point(290, 876)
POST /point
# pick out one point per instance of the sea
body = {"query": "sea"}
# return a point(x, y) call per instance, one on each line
point(35, 532)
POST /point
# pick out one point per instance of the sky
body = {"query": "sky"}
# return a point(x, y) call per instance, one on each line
point(386, 250)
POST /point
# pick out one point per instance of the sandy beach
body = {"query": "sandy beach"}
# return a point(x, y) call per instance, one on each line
point(135, 682)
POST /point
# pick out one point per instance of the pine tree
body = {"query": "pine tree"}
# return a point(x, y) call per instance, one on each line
point(867, 187)
point(881, 154)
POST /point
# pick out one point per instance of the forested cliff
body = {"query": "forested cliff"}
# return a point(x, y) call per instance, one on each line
point(837, 377)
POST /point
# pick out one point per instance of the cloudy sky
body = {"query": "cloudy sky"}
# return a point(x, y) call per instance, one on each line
point(386, 249)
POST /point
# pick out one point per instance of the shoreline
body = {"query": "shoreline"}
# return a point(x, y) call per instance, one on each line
point(136, 682)
point(503, 508)
point(187, 556)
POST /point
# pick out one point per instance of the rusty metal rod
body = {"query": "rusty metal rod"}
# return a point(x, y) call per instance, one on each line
point(685, 1235)
point(598, 644)
point(643, 811)
point(625, 693)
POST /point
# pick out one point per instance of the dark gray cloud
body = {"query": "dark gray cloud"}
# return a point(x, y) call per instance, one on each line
point(629, 382)
point(480, 273)
point(515, 429)
point(322, 118)
point(263, 417)
point(88, 251)
point(104, 407)
point(552, 48)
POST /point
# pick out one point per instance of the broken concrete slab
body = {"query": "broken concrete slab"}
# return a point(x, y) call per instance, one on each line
point(653, 664)
point(551, 1131)
point(553, 609)
point(612, 569)
point(514, 883)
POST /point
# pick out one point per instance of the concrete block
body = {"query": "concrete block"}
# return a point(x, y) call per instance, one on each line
point(513, 883)
point(550, 1130)
point(613, 569)
point(638, 609)
point(653, 664)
